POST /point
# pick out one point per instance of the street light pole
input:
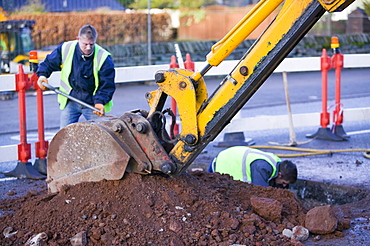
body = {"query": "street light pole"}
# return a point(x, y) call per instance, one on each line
point(149, 35)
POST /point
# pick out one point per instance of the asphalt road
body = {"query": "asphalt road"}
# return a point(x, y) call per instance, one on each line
point(304, 88)
point(305, 96)
point(347, 168)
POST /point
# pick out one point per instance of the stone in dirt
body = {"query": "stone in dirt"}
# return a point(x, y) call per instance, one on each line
point(267, 208)
point(321, 220)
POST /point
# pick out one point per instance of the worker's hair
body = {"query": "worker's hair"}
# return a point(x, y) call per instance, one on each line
point(89, 32)
point(288, 171)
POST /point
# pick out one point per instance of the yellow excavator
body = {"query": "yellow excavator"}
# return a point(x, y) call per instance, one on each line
point(15, 42)
point(138, 140)
point(15, 45)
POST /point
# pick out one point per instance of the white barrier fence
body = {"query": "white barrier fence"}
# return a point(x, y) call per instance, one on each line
point(146, 73)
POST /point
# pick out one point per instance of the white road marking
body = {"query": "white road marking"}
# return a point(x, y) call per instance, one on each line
point(358, 132)
point(8, 179)
point(33, 137)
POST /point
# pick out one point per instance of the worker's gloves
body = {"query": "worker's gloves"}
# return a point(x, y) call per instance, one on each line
point(101, 109)
point(40, 80)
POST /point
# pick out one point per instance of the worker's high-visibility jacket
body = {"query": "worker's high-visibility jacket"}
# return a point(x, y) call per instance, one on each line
point(236, 162)
point(68, 49)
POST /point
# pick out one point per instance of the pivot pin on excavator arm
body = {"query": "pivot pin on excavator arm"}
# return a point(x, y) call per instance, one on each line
point(138, 141)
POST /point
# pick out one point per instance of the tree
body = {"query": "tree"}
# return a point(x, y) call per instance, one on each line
point(366, 4)
point(125, 3)
point(155, 4)
point(191, 4)
point(170, 4)
point(33, 6)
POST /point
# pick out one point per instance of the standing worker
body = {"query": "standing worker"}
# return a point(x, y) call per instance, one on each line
point(87, 74)
point(254, 166)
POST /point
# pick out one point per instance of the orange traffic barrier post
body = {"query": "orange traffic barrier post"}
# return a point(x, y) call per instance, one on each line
point(324, 133)
point(34, 61)
point(24, 168)
point(24, 148)
point(325, 67)
point(190, 65)
point(174, 64)
point(41, 146)
point(337, 64)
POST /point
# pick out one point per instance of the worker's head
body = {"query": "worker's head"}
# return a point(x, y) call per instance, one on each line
point(86, 39)
point(287, 173)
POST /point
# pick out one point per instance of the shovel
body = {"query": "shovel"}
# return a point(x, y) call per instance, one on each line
point(69, 97)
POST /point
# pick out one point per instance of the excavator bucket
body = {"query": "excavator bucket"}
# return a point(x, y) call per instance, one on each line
point(104, 149)
point(84, 152)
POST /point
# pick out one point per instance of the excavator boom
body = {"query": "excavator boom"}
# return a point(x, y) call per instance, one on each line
point(138, 141)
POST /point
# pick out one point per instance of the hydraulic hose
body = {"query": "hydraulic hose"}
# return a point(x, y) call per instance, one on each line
point(309, 152)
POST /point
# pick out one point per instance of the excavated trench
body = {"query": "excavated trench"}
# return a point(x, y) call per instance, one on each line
point(313, 194)
point(350, 200)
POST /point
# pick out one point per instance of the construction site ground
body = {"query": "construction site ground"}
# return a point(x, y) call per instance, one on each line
point(199, 208)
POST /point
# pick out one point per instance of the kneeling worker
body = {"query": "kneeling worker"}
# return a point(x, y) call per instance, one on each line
point(254, 166)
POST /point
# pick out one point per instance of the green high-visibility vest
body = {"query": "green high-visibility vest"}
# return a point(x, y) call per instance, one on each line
point(68, 49)
point(236, 162)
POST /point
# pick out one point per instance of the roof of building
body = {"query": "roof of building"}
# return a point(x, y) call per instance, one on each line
point(64, 5)
point(358, 11)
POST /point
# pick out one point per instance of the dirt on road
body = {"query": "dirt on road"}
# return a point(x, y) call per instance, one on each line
point(197, 208)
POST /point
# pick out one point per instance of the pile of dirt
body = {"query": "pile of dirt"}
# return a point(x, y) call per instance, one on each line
point(197, 208)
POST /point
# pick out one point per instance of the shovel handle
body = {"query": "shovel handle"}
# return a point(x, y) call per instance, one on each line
point(69, 97)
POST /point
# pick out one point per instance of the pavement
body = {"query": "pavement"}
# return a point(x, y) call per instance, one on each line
point(269, 128)
point(348, 166)
point(264, 123)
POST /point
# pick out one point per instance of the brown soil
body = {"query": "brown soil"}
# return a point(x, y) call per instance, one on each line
point(196, 208)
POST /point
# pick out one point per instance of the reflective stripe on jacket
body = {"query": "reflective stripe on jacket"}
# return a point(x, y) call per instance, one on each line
point(236, 162)
point(68, 49)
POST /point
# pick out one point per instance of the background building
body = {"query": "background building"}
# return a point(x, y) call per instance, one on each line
point(63, 5)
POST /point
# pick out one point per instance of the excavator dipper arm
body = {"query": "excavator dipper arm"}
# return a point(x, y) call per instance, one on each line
point(138, 142)
point(293, 21)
